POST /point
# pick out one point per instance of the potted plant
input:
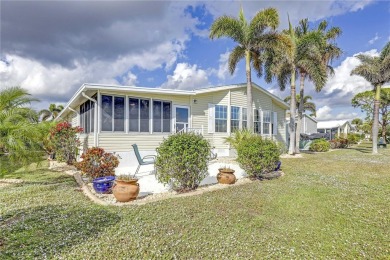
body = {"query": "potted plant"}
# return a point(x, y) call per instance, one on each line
point(226, 175)
point(100, 166)
point(126, 188)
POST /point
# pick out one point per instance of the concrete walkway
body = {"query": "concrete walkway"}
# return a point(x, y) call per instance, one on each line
point(149, 184)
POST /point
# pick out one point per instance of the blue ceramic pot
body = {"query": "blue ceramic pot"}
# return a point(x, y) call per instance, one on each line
point(277, 165)
point(103, 184)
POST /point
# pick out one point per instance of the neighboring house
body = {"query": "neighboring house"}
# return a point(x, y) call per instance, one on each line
point(334, 128)
point(308, 124)
point(125, 115)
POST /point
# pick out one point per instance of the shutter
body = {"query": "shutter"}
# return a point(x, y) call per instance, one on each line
point(211, 117)
point(275, 130)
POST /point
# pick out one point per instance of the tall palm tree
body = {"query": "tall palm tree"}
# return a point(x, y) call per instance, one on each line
point(304, 60)
point(20, 138)
point(51, 113)
point(375, 70)
point(325, 46)
point(307, 105)
point(252, 38)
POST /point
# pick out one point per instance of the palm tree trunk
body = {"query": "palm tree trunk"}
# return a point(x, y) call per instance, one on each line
point(300, 112)
point(249, 90)
point(291, 147)
point(376, 119)
point(384, 125)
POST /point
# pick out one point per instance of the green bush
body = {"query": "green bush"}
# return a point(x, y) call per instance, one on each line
point(353, 138)
point(64, 139)
point(319, 145)
point(257, 156)
point(182, 161)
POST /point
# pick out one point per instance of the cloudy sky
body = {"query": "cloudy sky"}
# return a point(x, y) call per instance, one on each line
point(51, 48)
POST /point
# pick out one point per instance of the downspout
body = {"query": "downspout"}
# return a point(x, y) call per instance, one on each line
point(95, 132)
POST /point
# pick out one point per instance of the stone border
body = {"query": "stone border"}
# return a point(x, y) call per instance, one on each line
point(146, 199)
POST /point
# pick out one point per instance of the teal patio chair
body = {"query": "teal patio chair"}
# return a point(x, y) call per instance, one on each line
point(146, 160)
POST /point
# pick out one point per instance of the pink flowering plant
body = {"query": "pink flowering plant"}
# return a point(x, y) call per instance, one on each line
point(65, 141)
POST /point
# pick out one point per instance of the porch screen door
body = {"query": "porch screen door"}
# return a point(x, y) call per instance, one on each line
point(181, 118)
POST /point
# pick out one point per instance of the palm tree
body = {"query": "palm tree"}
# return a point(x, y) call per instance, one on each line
point(307, 105)
point(20, 138)
point(328, 50)
point(305, 60)
point(252, 38)
point(51, 113)
point(375, 70)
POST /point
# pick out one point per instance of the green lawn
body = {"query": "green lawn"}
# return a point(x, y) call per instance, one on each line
point(332, 205)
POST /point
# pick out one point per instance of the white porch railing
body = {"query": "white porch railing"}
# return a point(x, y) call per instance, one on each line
point(198, 131)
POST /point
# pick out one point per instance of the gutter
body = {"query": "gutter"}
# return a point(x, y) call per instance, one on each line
point(95, 132)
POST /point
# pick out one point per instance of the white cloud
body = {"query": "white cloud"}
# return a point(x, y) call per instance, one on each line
point(59, 83)
point(187, 77)
point(376, 37)
point(327, 113)
point(313, 10)
point(223, 72)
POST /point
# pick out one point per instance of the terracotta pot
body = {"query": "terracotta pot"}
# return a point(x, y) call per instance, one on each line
point(126, 190)
point(226, 176)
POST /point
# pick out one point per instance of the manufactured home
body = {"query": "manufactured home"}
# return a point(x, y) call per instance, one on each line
point(115, 117)
point(334, 128)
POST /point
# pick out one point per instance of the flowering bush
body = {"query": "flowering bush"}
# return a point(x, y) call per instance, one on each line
point(320, 145)
point(65, 141)
point(97, 163)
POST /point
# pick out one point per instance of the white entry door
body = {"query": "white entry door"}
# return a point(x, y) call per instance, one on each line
point(181, 118)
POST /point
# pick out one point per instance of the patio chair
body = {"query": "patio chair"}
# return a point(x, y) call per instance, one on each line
point(146, 160)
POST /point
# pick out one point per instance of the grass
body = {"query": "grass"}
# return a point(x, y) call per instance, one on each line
point(331, 205)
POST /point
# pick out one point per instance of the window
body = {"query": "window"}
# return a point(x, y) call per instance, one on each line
point(244, 118)
point(267, 122)
point(139, 115)
point(113, 113)
point(87, 116)
point(161, 116)
point(235, 118)
point(220, 118)
point(257, 121)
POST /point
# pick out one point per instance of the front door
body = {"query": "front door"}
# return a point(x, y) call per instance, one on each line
point(182, 114)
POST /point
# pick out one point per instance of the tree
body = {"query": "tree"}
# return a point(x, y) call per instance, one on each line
point(51, 113)
point(252, 38)
point(375, 70)
point(20, 136)
point(307, 106)
point(365, 101)
point(358, 122)
point(304, 59)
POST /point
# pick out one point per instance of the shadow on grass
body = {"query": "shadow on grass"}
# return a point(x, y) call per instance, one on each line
point(362, 149)
point(41, 232)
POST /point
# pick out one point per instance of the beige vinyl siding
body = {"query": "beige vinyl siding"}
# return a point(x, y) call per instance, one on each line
point(121, 142)
point(308, 125)
point(281, 135)
point(200, 115)
point(74, 119)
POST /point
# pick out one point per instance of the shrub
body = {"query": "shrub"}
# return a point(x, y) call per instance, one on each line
point(339, 142)
point(319, 145)
point(65, 141)
point(353, 138)
point(258, 156)
point(237, 136)
point(182, 161)
point(97, 163)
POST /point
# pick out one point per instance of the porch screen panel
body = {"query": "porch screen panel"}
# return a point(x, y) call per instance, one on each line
point(157, 116)
point(87, 117)
point(82, 117)
point(167, 110)
point(119, 114)
point(133, 114)
point(144, 115)
point(106, 113)
point(92, 114)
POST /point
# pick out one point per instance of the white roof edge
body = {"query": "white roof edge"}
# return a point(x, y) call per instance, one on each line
point(162, 90)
